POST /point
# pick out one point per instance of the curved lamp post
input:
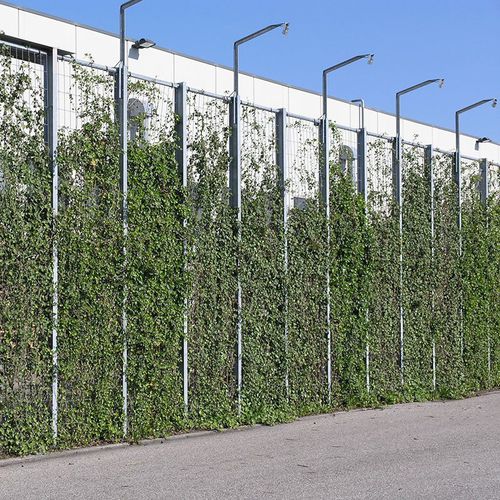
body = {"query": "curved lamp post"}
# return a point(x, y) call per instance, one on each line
point(458, 169)
point(325, 194)
point(235, 177)
point(123, 132)
point(397, 174)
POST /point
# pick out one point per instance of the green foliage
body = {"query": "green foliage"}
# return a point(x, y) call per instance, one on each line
point(212, 268)
point(350, 292)
point(417, 276)
point(156, 282)
point(90, 264)
point(446, 283)
point(25, 256)
point(478, 289)
point(262, 273)
point(185, 257)
point(384, 285)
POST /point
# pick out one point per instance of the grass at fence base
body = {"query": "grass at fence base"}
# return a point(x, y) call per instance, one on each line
point(175, 273)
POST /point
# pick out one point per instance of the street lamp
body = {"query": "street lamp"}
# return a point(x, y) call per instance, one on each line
point(325, 193)
point(325, 125)
point(241, 41)
point(399, 149)
point(458, 169)
point(399, 198)
point(123, 132)
point(235, 177)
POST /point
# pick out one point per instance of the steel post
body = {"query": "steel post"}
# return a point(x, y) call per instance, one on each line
point(235, 188)
point(429, 163)
point(181, 134)
point(52, 95)
point(281, 160)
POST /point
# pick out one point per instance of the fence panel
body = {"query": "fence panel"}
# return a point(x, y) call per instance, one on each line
point(212, 265)
point(25, 252)
point(477, 291)
point(156, 281)
point(384, 337)
point(262, 269)
point(417, 273)
point(307, 270)
point(90, 261)
point(446, 271)
point(349, 273)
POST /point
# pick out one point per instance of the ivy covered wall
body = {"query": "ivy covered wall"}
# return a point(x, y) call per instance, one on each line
point(184, 260)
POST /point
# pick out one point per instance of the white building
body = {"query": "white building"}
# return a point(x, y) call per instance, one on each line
point(26, 27)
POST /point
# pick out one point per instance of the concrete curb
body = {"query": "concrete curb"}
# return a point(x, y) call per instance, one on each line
point(100, 448)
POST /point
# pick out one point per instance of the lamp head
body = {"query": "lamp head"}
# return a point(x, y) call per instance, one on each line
point(441, 83)
point(483, 139)
point(371, 57)
point(286, 28)
point(480, 141)
point(143, 44)
point(494, 103)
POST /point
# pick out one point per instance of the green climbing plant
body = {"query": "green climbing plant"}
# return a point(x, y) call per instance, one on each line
point(184, 259)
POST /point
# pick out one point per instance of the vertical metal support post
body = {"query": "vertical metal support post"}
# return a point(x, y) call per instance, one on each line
point(363, 190)
point(362, 174)
point(429, 162)
point(235, 188)
point(484, 193)
point(483, 186)
point(52, 109)
point(458, 181)
point(281, 160)
point(325, 198)
point(123, 127)
point(398, 193)
point(181, 158)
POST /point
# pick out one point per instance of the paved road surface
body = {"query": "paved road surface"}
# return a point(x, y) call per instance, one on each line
point(420, 450)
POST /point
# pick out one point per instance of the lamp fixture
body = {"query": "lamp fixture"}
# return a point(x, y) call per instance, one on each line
point(143, 43)
point(481, 140)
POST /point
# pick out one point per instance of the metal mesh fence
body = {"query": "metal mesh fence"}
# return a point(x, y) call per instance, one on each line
point(150, 109)
point(69, 98)
point(258, 144)
point(380, 157)
point(25, 272)
point(494, 180)
point(303, 160)
point(348, 153)
point(212, 247)
point(471, 179)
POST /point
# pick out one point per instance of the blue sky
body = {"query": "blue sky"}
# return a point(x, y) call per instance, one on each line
point(413, 41)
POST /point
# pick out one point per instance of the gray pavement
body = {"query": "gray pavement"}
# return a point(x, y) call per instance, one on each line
point(419, 450)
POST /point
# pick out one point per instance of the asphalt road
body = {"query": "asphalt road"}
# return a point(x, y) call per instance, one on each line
point(420, 450)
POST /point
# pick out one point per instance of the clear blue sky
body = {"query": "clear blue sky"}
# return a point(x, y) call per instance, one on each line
point(413, 41)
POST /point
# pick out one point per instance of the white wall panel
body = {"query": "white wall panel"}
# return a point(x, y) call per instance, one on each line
point(154, 63)
point(304, 103)
point(104, 49)
point(197, 74)
point(224, 81)
point(47, 31)
point(9, 20)
point(270, 94)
